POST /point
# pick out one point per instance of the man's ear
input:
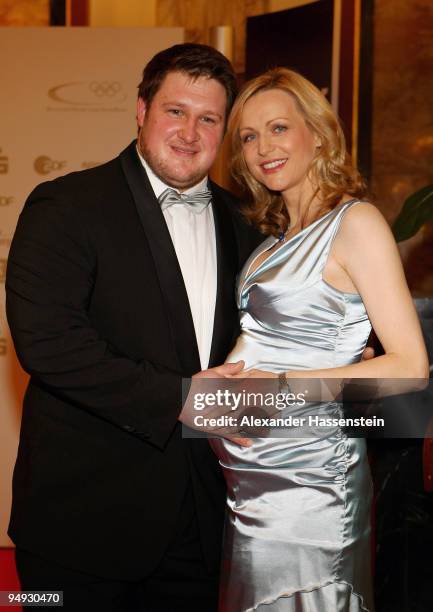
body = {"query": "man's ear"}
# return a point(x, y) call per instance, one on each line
point(141, 111)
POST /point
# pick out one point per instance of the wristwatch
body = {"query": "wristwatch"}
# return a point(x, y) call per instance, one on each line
point(283, 384)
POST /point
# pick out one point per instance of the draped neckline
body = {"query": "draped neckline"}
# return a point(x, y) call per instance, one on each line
point(267, 247)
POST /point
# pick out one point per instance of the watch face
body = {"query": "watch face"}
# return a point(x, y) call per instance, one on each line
point(283, 385)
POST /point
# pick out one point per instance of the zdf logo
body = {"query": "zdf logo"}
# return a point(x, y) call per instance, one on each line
point(45, 165)
point(6, 200)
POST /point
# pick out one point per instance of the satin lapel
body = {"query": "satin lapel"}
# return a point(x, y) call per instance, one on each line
point(166, 263)
point(226, 314)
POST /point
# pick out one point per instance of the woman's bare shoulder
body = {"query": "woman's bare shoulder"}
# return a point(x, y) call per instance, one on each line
point(363, 216)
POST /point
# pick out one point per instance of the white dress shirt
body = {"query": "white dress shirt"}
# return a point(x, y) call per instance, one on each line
point(193, 237)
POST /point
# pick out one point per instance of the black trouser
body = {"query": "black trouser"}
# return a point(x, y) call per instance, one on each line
point(404, 528)
point(180, 583)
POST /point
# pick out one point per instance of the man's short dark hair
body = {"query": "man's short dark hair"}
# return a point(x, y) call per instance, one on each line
point(194, 60)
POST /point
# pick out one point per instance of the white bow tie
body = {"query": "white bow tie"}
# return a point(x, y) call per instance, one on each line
point(196, 201)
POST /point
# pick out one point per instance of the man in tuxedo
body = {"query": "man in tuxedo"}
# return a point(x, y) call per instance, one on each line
point(121, 282)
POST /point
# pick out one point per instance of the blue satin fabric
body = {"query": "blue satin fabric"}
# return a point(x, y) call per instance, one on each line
point(297, 534)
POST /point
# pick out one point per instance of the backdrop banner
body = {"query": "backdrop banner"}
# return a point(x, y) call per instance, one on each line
point(67, 102)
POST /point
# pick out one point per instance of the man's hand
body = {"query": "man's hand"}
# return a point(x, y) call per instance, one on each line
point(222, 371)
point(253, 373)
point(188, 414)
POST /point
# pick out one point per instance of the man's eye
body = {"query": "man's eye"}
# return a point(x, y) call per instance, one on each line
point(209, 120)
point(175, 111)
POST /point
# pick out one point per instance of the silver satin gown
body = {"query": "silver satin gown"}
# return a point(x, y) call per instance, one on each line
point(297, 534)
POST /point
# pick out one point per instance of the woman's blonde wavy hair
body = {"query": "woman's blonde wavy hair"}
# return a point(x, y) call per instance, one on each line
point(331, 172)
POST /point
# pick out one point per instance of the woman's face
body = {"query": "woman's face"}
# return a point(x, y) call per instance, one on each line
point(277, 144)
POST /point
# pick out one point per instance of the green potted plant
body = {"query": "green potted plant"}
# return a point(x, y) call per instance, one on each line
point(417, 211)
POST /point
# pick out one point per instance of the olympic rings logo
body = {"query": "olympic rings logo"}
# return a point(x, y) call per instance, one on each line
point(105, 88)
point(88, 93)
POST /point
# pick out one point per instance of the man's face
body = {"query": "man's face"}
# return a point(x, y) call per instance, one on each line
point(182, 129)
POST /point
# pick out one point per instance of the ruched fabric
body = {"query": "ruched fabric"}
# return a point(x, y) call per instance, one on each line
point(297, 534)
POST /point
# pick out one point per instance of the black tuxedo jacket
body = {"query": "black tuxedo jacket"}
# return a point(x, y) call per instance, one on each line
point(100, 319)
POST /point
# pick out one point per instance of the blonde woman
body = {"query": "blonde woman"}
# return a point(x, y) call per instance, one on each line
point(298, 533)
